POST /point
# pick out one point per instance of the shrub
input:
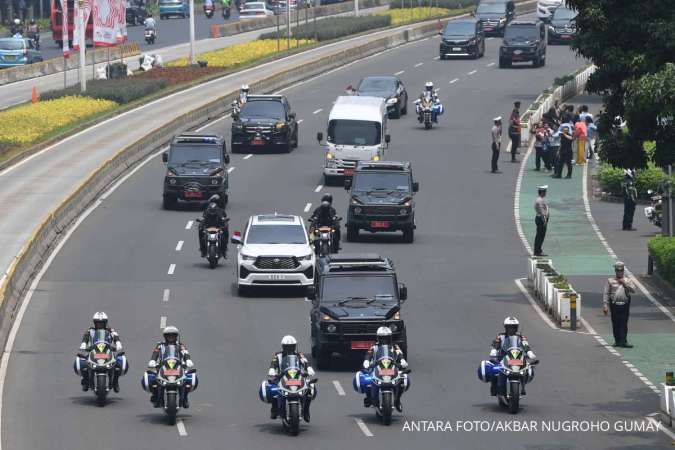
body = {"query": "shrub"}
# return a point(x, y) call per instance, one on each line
point(119, 91)
point(610, 179)
point(335, 27)
point(238, 54)
point(662, 248)
point(448, 4)
point(178, 75)
point(409, 15)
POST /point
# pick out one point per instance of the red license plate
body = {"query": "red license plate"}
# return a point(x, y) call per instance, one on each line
point(257, 142)
point(379, 224)
point(515, 362)
point(488, 29)
point(566, 36)
point(349, 172)
point(362, 345)
point(387, 372)
point(190, 194)
point(171, 372)
point(293, 383)
point(101, 356)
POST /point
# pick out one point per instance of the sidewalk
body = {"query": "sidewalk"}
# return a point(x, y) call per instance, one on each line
point(578, 253)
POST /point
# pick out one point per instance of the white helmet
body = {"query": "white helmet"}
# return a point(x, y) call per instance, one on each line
point(429, 86)
point(100, 318)
point(17, 22)
point(289, 344)
point(511, 323)
point(171, 331)
point(244, 87)
point(384, 335)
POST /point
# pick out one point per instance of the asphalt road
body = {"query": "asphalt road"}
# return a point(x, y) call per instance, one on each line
point(460, 274)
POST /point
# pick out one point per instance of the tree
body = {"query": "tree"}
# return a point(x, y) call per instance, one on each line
point(631, 43)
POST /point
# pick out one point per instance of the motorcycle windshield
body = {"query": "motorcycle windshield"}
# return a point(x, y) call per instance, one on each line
point(384, 352)
point(290, 362)
point(171, 352)
point(512, 342)
point(101, 337)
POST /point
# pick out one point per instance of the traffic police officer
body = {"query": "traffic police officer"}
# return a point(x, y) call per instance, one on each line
point(629, 200)
point(616, 299)
point(541, 220)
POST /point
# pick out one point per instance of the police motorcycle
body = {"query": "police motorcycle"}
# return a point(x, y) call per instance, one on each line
point(213, 240)
point(238, 104)
point(99, 365)
point(428, 109)
point(209, 9)
point(382, 382)
point(511, 373)
point(150, 35)
point(323, 238)
point(654, 212)
point(173, 382)
point(292, 391)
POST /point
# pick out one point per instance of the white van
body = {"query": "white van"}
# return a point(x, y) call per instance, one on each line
point(357, 131)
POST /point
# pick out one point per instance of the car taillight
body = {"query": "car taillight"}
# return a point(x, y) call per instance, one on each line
point(25, 52)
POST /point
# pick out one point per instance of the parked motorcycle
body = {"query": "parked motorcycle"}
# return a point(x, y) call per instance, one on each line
point(654, 212)
point(150, 35)
point(209, 10)
point(99, 366)
point(428, 109)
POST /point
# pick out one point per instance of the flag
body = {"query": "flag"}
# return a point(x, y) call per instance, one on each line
point(76, 28)
point(109, 21)
point(64, 28)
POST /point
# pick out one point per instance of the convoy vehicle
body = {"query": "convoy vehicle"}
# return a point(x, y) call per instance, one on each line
point(381, 199)
point(388, 87)
point(357, 131)
point(524, 41)
point(462, 38)
point(196, 169)
point(265, 121)
point(168, 8)
point(273, 251)
point(255, 10)
point(545, 9)
point(135, 12)
point(18, 52)
point(495, 15)
point(562, 28)
point(352, 296)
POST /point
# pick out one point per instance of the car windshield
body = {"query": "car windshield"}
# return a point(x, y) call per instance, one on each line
point(353, 132)
point(366, 182)
point(460, 29)
point(491, 8)
point(377, 85)
point(268, 109)
point(276, 234)
point(11, 44)
point(521, 32)
point(359, 286)
point(197, 154)
point(169, 2)
point(563, 13)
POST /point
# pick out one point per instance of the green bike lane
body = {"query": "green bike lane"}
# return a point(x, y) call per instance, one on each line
point(580, 255)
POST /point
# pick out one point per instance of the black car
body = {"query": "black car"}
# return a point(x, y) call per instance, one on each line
point(265, 121)
point(523, 42)
point(563, 26)
point(381, 199)
point(136, 12)
point(495, 15)
point(390, 88)
point(462, 38)
point(353, 295)
point(196, 168)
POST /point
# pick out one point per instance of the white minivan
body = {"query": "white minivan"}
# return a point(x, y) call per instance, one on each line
point(357, 131)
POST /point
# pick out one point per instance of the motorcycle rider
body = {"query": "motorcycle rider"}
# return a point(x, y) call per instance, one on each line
point(171, 337)
point(214, 216)
point(384, 337)
point(431, 92)
point(289, 346)
point(150, 23)
point(496, 353)
point(100, 320)
point(17, 29)
point(325, 216)
point(34, 32)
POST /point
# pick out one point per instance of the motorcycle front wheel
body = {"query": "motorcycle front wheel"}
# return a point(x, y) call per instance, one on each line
point(294, 418)
point(514, 400)
point(101, 388)
point(213, 257)
point(172, 407)
point(385, 407)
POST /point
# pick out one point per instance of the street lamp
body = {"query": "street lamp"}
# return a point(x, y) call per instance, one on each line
point(193, 56)
point(80, 22)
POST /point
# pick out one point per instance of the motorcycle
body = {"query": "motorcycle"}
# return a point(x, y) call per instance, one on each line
point(323, 239)
point(383, 383)
point(209, 10)
point(99, 366)
point(428, 109)
point(214, 236)
point(654, 212)
point(510, 374)
point(292, 392)
point(150, 35)
point(35, 36)
point(226, 12)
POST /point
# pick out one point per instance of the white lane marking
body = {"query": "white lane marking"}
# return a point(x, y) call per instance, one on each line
point(189, 224)
point(338, 388)
point(534, 304)
point(166, 295)
point(318, 111)
point(659, 426)
point(181, 427)
point(300, 120)
point(172, 269)
point(489, 39)
point(516, 199)
point(419, 64)
point(230, 170)
point(472, 72)
point(454, 80)
point(490, 65)
point(307, 207)
point(363, 427)
point(318, 188)
point(179, 246)
point(422, 40)
point(248, 156)
point(399, 72)
point(162, 322)
point(437, 57)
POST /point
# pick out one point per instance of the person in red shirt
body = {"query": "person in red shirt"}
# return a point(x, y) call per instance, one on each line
point(580, 133)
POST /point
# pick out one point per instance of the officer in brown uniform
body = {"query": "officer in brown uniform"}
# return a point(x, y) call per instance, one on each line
point(616, 299)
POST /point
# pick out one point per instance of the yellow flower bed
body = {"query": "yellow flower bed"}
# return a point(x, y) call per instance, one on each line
point(406, 15)
point(243, 53)
point(28, 123)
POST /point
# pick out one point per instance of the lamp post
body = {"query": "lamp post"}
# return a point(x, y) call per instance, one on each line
point(82, 44)
point(356, 7)
point(193, 56)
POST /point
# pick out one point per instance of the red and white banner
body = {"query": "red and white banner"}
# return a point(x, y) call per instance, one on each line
point(86, 6)
point(109, 22)
point(64, 28)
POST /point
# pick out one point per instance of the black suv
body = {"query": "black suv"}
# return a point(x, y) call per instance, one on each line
point(265, 121)
point(523, 41)
point(562, 28)
point(381, 198)
point(136, 12)
point(495, 15)
point(354, 295)
point(462, 38)
point(196, 168)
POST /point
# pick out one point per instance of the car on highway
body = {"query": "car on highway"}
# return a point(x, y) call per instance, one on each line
point(18, 52)
point(381, 199)
point(352, 296)
point(562, 28)
point(135, 12)
point(196, 169)
point(265, 121)
point(169, 8)
point(357, 131)
point(462, 38)
point(254, 10)
point(545, 9)
point(495, 15)
point(524, 41)
point(388, 87)
point(273, 251)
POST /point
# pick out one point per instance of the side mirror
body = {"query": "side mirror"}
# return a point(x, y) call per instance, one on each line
point(416, 186)
point(319, 136)
point(236, 238)
point(402, 292)
point(311, 292)
point(387, 138)
point(165, 157)
point(348, 184)
point(226, 158)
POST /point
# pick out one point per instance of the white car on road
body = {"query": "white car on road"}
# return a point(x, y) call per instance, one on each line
point(274, 251)
point(545, 9)
point(255, 10)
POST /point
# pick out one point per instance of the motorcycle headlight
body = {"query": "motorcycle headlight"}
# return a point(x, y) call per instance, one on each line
point(502, 19)
point(331, 328)
point(246, 257)
point(236, 126)
point(392, 101)
point(172, 379)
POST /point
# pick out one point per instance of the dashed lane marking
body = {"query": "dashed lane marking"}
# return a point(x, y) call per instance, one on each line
point(454, 80)
point(230, 170)
point(172, 269)
point(318, 111)
point(363, 427)
point(189, 225)
point(179, 246)
point(301, 120)
point(419, 64)
point(490, 65)
point(248, 156)
point(437, 57)
point(472, 72)
point(181, 427)
point(399, 72)
point(338, 388)
point(162, 322)
point(318, 188)
point(166, 295)
point(307, 207)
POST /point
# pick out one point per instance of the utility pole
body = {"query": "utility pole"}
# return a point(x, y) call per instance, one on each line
point(356, 7)
point(193, 56)
point(288, 24)
point(83, 62)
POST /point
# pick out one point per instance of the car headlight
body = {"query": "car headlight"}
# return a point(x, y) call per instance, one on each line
point(305, 258)
point(329, 155)
point(246, 257)
point(326, 317)
point(376, 158)
point(172, 180)
point(280, 126)
point(331, 328)
point(357, 210)
point(392, 101)
point(397, 316)
point(355, 202)
point(403, 212)
point(216, 181)
point(393, 327)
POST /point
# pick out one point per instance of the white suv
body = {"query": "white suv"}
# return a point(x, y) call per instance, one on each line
point(545, 9)
point(274, 251)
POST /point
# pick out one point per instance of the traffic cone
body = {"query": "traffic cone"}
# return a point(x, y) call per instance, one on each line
point(34, 97)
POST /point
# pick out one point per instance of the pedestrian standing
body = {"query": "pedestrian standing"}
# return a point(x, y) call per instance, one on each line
point(553, 152)
point(539, 132)
point(496, 142)
point(584, 113)
point(591, 136)
point(540, 220)
point(629, 200)
point(616, 298)
point(514, 130)
point(566, 153)
point(580, 136)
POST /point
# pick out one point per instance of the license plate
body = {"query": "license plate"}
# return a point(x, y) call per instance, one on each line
point(566, 36)
point(362, 345)
point(456, 49)
point(349, 172)
point(293, 383)
point(171, 372)
point(258, 142)
point(488, 29)
point(10, 57)
point(379, 224)
point(101, 356)
point(515, 362)
point(192, 194)
point(275, 276)
point(388, 372)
